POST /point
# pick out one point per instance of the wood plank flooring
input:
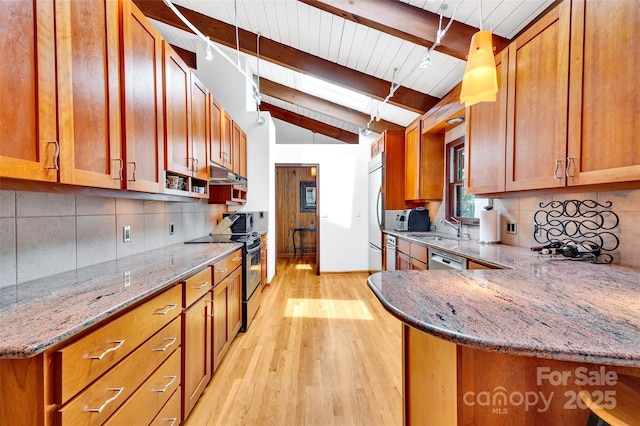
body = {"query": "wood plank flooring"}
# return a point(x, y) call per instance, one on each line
point(321, 351)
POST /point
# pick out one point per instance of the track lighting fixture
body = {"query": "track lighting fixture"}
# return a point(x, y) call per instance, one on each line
point(208, 55)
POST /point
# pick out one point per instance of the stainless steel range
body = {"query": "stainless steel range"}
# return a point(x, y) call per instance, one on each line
point(251, 270)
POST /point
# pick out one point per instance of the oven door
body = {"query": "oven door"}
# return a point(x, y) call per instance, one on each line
point(252, 273)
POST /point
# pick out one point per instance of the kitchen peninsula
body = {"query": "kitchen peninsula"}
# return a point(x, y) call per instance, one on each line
point(516, 345)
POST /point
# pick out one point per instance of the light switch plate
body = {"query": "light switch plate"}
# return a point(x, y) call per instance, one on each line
point(512, 228)
point(126, 233)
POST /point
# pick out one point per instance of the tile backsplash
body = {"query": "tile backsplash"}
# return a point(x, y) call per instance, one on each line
point(521, 209)
point(42, 234)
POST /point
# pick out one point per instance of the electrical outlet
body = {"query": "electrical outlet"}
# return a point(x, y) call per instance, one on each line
point(171, 228)
point(126, 233)
point(512, 228)
point(127, 278)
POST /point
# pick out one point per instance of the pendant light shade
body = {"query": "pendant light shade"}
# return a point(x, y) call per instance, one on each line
point(480, 83)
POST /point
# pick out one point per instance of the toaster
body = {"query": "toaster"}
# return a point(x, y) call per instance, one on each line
point(417, 220)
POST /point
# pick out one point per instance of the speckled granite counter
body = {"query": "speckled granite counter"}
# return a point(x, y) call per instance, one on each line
point(38, 315)
point(566, 310)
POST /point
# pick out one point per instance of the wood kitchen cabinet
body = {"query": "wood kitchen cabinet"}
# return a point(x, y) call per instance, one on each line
point(239, 150)
point(227, 139)
point(196, 345)
point(424, 164)
point(411, 256)
point(143, 116)
point(200, 133)
point(219, 150)
point(263, 261)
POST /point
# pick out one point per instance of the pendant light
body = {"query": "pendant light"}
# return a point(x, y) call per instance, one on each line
point(480, 82)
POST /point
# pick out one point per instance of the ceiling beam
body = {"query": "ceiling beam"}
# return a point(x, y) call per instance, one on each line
point(406, 22)
point(187, 56)
point(304, 100)
point(310, 124)
point(223, 33)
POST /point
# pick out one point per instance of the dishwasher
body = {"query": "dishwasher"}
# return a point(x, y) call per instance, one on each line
point(440, 259)
point(391, 246)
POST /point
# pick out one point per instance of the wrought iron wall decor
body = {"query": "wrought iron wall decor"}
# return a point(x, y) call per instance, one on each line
point(574, 221)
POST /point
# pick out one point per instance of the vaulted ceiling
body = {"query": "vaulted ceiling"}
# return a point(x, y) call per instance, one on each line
point(362, 45)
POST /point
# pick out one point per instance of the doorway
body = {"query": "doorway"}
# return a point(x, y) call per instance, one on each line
point(297, 214)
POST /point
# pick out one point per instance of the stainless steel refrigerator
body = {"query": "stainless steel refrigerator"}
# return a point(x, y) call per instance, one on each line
point(376, 212)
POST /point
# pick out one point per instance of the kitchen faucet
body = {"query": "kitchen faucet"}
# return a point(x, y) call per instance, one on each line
point(457, 225)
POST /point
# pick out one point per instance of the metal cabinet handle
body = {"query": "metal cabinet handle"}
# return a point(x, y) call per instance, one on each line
point(202, 284)
point(56, 156)
point(172, 341)
point(170, 308)
point(194, 163)
point(164, 389)
point(221, 270)
point(170, 419)
point(118, 343)
point(121, 162)
point(107, 402)
point(135, 167)
point(237, 258)
point(555, 170)
point(569, 160)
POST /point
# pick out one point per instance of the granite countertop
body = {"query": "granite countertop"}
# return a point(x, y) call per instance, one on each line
point(40, 314)
point(559, 309)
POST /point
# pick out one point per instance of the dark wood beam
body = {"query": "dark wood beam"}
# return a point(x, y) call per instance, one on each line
point(304, 100)
point(187, 56)
point(223, 33)
point(314, 126)
point(406, 22)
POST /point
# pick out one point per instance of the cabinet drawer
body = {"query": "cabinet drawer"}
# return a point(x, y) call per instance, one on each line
point(404, 246)
point(170, 413)
point(419, 252)
point(222, 268)
point(79, 363)
point(196, 286)
point(97, 402)
point(143, 405)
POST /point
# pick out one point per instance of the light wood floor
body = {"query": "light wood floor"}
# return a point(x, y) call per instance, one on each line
point(321, 351)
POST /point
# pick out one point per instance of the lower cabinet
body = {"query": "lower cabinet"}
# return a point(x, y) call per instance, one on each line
point(227, 314)
point(411, 256)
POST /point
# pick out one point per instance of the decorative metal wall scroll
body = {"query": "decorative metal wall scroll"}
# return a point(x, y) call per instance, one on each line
point(578, 221)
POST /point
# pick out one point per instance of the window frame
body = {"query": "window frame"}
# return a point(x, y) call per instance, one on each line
point(450, 183)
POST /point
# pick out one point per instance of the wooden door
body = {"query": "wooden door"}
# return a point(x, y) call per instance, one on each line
point(403, 261)
point(412, 162)
point(235, 303)
point(177, 111)
point(235, 149)
point(199, 129)
point(216, 150)
point(604, 117)
point(227, 140)
point(538, 80)
point(142, 102)
point(242, 169)
point(89, 93)
point(28, 138)
point(486, 134)
point(220, 341)
point(196, 351)
point(431, 176)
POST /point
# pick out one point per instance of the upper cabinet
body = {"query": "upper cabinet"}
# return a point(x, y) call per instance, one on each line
point(424, 164)
point(604, 112)
point(217, 150)
point(412, 161)
point(570, 116)
point(143, 117)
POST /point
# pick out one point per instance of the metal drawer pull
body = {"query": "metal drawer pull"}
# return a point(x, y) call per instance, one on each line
point(135, 167)
point(555, 171)
point(202, 284)
point(238, 258)
point(164, 389)
point(221, 270)
point(116, 347)
point(121, 163)
point(569, 159)
point(170, 308)
point(173, 340)
point(55, 156)
point(170, 419)
point(107, 402)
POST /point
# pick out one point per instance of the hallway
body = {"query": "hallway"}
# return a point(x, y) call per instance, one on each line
point(321, 351)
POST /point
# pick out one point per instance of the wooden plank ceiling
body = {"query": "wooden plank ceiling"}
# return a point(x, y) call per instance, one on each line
point(362, 45)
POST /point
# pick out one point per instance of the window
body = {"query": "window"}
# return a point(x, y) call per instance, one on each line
point(460, 205)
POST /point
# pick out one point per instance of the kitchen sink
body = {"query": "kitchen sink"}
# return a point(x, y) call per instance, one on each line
point(432, 238)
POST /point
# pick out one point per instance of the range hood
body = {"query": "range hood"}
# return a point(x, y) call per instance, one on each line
point(219, 175)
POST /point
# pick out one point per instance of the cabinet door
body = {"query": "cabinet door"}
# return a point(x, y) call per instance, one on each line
point(28, 138)
point(143, 115)
point(485, 142)
point(242, 169)
point(431, 166)
point(220, 341)
point(235, 149)
point(403, 261)
point(199, 129)
point(235, 303)
point(412, 162)
point(417, 265)
point(177, 91)
point(89, 93)
point(537, 103)
point(216, 150)
point(196, 350)
point(604, 117)
point(227, 140)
